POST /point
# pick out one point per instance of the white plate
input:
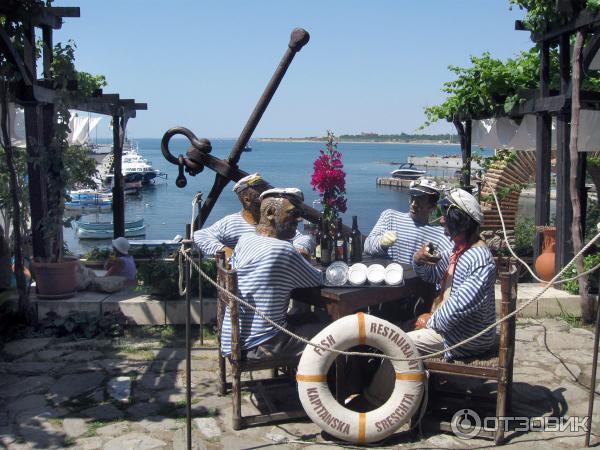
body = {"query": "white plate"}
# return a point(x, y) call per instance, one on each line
point(337, 273)
point(376, 274)
point(394, 274)
point(357, 274)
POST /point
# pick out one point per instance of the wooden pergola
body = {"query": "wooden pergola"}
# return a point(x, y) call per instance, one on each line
point(37, 96)
point(546, 104)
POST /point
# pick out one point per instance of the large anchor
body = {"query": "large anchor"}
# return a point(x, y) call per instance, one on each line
point(198, 154)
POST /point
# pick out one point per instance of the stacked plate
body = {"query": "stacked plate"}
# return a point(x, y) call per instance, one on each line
point(394, 275)
point(357, 274)
point(376, 274)
point(337, 273)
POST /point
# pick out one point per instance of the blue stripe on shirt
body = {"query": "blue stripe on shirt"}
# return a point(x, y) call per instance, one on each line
point(471, 306)
point(268, 269)
point(411, 236)
point(227, 231)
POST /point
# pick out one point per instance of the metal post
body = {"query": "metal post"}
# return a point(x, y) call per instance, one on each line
point(593, 381)
point(200, 297)
point(188, 344)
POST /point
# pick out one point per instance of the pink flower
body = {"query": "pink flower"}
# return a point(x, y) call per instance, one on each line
point(329, 179)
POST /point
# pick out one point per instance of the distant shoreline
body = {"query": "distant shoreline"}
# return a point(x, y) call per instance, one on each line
point(357, 142)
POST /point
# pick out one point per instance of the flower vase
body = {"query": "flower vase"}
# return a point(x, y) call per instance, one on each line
point(544, 264)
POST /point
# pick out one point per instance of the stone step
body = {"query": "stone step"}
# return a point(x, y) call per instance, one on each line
point(139, 309)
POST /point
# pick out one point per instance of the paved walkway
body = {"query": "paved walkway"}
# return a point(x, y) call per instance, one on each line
point(129, 394)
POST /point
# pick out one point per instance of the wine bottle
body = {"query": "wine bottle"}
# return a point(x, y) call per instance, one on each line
point(340, 244)
point(318, 238)
point(357, 244)
point(327, 246)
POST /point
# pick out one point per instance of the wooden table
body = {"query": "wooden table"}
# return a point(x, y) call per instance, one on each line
point(343, 301)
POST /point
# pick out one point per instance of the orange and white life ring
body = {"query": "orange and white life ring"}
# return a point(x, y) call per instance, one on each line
point(331, 416)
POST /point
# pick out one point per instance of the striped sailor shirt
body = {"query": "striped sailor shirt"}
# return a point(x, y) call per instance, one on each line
point(268, 269)
point(471, 305)
point(411, 236)
point(227, 231)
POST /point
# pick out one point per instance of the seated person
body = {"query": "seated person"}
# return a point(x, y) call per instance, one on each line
point(268, 269)
point(399, 235)
point(465, 304)
point(120, 263)
point(224, 234)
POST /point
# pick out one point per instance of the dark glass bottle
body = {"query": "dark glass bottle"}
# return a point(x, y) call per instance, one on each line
point(318, 239)
point(341, 249)
point(327, 246)
point(356, 240)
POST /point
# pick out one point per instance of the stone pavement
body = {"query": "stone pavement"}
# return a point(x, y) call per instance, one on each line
point(129, 394)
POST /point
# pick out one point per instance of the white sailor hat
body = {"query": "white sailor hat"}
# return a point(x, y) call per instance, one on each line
point(424, 187)
point(283, 192)
point(121, 244)
point(465, 202)
point(247, 181)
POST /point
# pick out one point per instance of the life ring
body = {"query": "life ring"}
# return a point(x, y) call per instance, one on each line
point(339, 421)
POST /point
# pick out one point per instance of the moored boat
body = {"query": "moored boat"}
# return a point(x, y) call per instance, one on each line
point(104, 230)
point(408, 171)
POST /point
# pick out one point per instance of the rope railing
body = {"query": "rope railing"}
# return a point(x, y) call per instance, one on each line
point(185, 253)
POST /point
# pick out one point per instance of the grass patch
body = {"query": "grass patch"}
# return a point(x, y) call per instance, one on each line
point(69, 441)
point(92, 427)
point(571, 319)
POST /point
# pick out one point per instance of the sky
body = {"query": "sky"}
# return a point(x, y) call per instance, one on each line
point(370, 66)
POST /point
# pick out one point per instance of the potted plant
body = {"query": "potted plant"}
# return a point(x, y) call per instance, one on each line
point(64, 166)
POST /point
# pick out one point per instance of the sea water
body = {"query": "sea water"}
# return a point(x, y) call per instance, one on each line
point(166, 208)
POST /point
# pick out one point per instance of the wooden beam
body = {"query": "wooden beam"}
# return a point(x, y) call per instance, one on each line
point(543, 152)
point(11, 53)
point(589, 52)
point(564, 211)
point(584, 19)
point(49, 16)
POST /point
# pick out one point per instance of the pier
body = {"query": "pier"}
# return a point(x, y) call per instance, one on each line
point(393, 182)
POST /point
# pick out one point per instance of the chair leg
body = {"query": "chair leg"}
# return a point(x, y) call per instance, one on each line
point(501, 405)
point(236, 391)
point(222, 376)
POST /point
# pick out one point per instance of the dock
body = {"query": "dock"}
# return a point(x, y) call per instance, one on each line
point(393, 182)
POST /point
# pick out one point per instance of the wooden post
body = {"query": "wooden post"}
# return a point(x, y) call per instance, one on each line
point(508, 286)
point(564, 210)
point(543, 152)
point(118, 196)
point(466, 156)
point(36, 175)
point(221, 265)
point(188, 342)
point(236, 353)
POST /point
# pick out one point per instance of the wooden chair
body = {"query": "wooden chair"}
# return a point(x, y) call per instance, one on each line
point(494, 366)
point(227, 279)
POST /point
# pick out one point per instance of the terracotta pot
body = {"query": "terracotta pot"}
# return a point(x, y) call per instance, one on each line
point(544, 264)
point(55, 280)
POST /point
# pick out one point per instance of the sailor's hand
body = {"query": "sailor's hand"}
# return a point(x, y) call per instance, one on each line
point(228, 253)
point(424, 257)
point(388, 239)
point(422, 321)
point(303, 252)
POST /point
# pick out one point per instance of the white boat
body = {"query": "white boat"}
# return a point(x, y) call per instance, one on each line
point(88, 200)
point(408, 171)
point(104, 230)
point(133, 166)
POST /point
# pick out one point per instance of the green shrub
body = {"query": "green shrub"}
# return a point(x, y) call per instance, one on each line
point(589, 261)
point(524, 237)
point(161, 278)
